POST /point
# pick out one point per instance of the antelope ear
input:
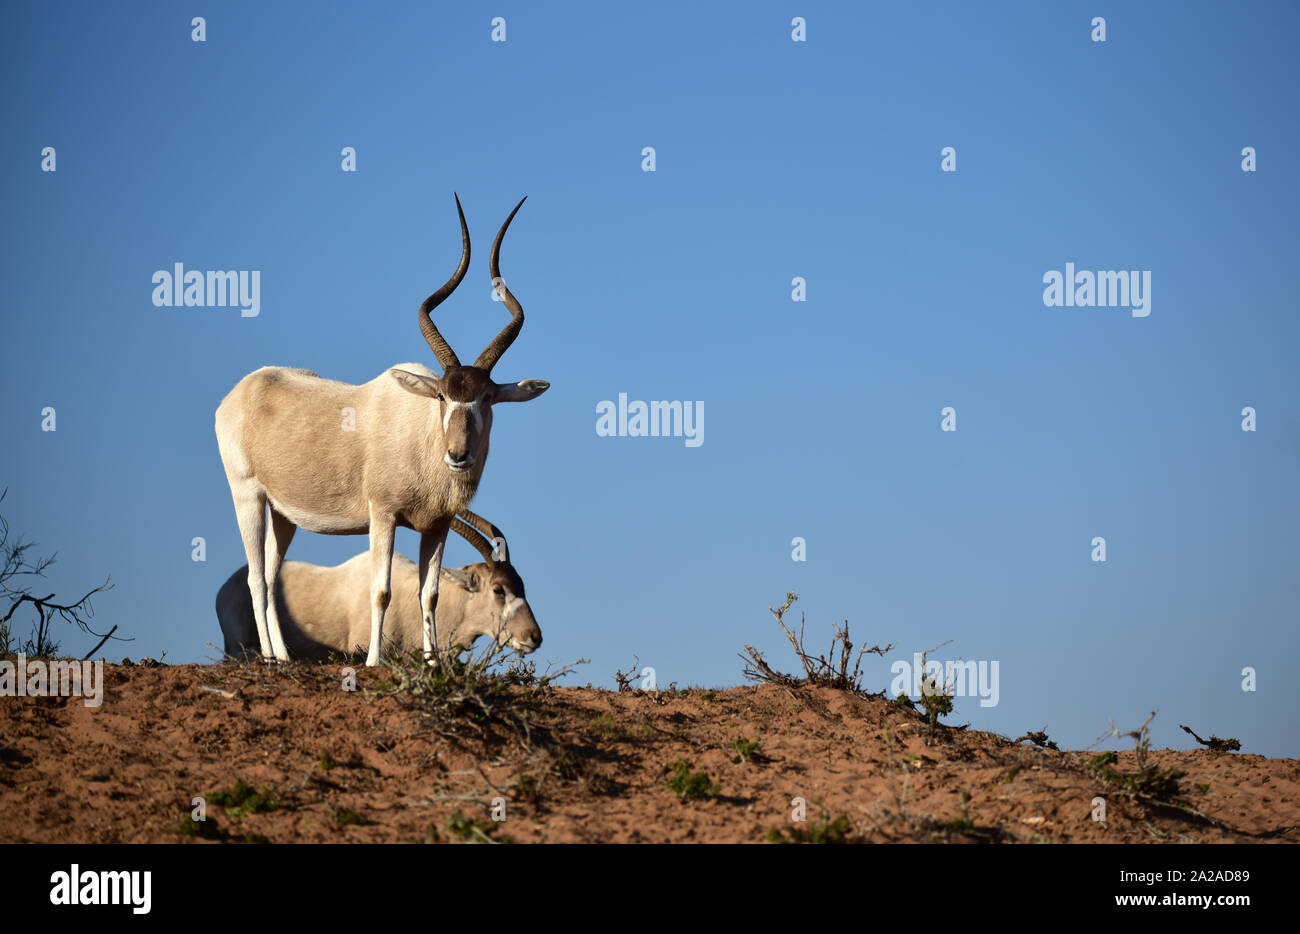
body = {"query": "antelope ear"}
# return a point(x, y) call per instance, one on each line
point(416, 383)
point(457, 577)
point(521, 391)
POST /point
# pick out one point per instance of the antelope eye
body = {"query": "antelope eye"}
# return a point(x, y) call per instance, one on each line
point(441, 398)
point(500, 592)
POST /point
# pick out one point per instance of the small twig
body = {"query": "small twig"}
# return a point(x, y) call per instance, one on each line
point(1038, 738)
point(1214, 744)
point(491, 784)
point(624, 679)
point(107, 636)
point(229, 695)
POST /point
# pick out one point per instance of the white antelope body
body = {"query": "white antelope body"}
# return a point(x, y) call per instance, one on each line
point(325, 611)
point(406, 448)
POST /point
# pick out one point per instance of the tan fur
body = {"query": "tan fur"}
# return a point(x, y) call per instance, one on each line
point(392, 458)
point(326, 610)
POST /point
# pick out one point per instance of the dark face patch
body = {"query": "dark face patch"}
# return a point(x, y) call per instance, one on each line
point(465, 383)
point(501, 576)
point(504, 576)
point(465, 426)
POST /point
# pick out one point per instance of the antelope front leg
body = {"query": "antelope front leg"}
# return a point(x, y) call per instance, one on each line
point(431, 547)
point(250, 512)
point(381, 570)
point(280, 534)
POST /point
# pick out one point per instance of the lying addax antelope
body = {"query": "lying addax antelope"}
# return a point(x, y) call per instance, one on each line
point(406, 448)
point(326, 610)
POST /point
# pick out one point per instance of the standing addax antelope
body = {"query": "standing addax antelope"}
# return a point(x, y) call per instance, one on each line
point(406, 448)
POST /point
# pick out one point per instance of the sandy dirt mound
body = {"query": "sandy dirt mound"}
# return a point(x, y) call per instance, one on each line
point(286, 755)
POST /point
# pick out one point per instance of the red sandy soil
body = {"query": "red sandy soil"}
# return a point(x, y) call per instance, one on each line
point(594, 767)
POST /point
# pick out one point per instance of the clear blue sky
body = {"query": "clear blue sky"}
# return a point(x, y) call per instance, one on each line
point(775, 159)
